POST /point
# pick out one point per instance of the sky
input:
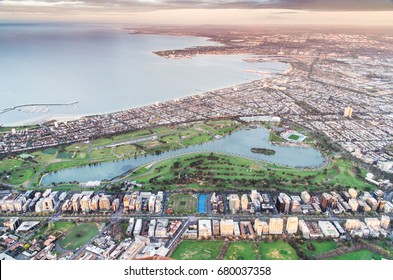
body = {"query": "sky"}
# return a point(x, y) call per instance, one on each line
point(338, 12)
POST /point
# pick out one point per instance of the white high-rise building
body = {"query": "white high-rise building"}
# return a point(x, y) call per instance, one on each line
point(234, 202)
point(304, 229)
point(348, 111)
point(205, 228)
point(292, 224)
point(328, 229)
point(276, 226)
point(226, 227)
point(306, 197)
point(385, 221)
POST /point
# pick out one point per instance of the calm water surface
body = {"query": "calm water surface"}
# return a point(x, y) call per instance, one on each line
point(238, 143)
point(104, 69)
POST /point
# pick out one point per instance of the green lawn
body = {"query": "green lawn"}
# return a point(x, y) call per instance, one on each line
point(275, 138)
point(50, 151)
point(82, 147)
point(9, 164)
point(78, 236)
point(228, 170)
point(385, 244)
point(78, 154)
point(358, 255)
point(102, 153)
point(64, 155)
point(70, 163)
point(162, 130)
point(197, 250)
point(320, 247)
point(20, 176)
point(183, 203)
point(278, 250)
point(241, 251)
point(197, 139)
point(17, 170)
point(124, 227)
point(195, 133)
point(126, 150)
point(102, 142)
point(190, 164)
point(60, 226)
point(294, 137)
point(43, 158)
point(64, 226)
point(195, 171)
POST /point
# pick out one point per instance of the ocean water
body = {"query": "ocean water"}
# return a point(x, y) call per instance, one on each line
point(104, 69)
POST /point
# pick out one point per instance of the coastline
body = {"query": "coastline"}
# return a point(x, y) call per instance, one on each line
point(46, 118)
point(74, 117)
point(34, 120)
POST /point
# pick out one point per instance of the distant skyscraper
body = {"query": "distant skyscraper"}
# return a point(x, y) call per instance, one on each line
point(348, 112)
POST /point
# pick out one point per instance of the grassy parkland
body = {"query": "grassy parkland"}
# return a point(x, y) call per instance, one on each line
point(278, 250)
point(269, 250)
point(242, 251)
point(198, 250)
point(16, 170)
point(183, 203)
point(78, 236)
point(358, 255)
point(315, 248)
point(216, 171)
point(193, 171)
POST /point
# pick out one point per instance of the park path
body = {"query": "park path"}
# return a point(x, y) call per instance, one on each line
point(223, 250)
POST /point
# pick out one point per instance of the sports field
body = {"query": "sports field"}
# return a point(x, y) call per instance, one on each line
point(197, 250)
point(278, 250)
point(294, 137)
point(241, 251)
point(78, 236)
point(202, 204)
point(183, 203)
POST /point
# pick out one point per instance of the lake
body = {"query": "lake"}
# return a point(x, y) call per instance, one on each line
point(238, 143)
point(104, 69)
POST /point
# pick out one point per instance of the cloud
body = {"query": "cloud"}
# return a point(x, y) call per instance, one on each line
point(335, 5)
point(41, 3)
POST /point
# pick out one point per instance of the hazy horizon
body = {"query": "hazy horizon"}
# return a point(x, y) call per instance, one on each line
point(217, 12)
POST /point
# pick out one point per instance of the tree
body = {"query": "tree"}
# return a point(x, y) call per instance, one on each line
point(311, 247)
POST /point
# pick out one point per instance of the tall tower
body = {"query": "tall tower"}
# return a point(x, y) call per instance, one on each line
point(348, 112)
